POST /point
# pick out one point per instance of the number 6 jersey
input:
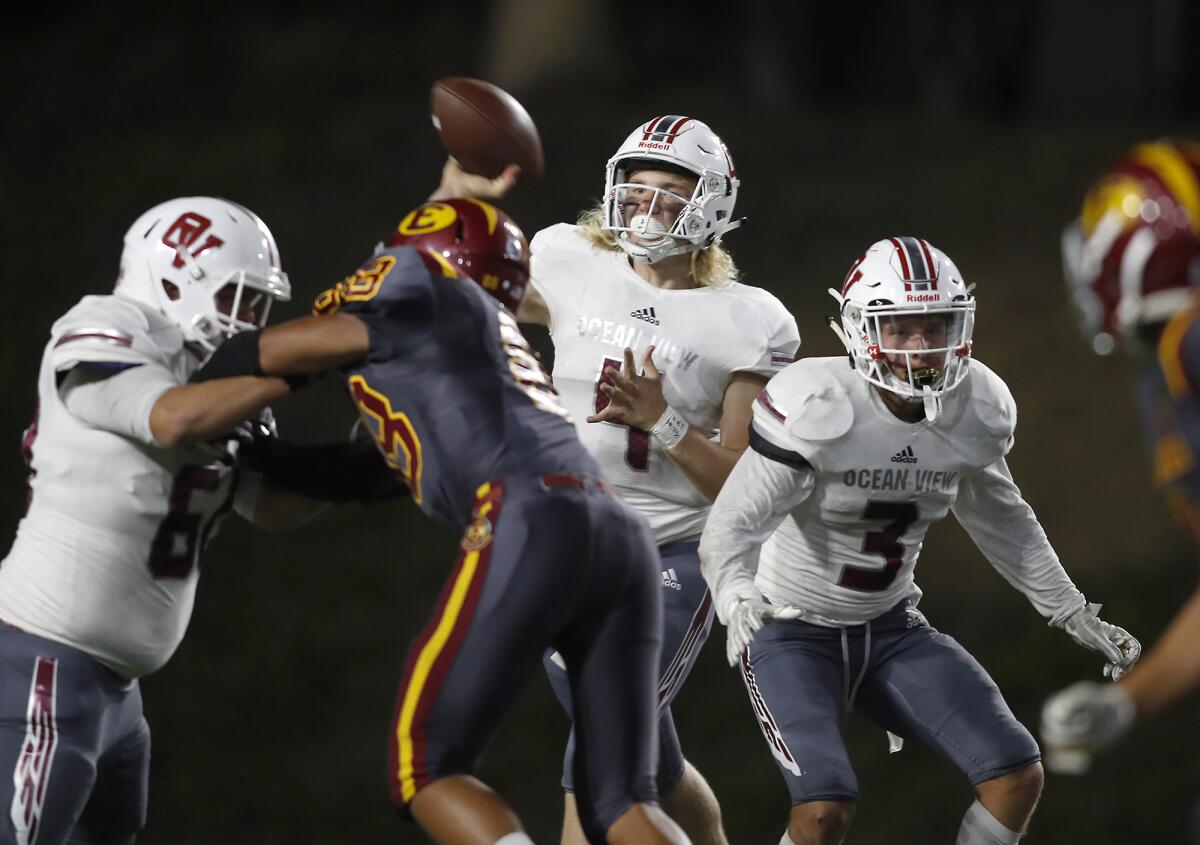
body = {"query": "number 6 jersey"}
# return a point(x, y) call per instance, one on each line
point(105, 559)
point(599, 306)
point(853, 489)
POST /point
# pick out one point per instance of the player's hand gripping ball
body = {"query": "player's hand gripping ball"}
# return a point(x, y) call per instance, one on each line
point(485, 129)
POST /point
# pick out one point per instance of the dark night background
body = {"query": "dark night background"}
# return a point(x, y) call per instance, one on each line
point(976, 125)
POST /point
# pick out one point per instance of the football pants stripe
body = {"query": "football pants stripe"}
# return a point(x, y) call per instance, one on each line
point(766, 721)
point(433, 653)
point(673, 677)
point(32, 771)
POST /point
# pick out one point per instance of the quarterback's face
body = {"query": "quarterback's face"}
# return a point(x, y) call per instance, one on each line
point(914, 334)
point(662, 206)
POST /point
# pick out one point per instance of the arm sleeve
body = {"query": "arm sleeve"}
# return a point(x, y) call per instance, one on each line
point(1004, 527)
point(327, 472)
point(758, 494)
point(116, 397)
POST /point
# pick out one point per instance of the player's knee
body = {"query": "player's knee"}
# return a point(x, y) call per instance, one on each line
point(820, 822)
point(1022, 787)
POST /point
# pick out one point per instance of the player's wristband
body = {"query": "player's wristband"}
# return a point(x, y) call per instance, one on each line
point(670, 428)
point(238, 356)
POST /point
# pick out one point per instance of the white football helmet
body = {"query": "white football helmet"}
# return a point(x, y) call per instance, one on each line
point(903, 277)
point(182, 253)
point(679, 143)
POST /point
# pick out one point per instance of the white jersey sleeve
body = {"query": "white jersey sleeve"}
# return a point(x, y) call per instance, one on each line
point(757, 495)
point(1005, 529)
point(702, 337)
point(119, 401)
point(772, 328)
point(106, 558)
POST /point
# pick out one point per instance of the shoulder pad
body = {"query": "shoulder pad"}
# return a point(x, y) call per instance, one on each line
point(112, 329)
point(807, 400)
point(560, 236)
point(991, 402)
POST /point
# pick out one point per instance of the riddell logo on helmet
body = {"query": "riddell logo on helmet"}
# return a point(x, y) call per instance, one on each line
point(652, 145)
point(923, 297)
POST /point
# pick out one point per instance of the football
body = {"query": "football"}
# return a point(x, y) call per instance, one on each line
point(484, 128)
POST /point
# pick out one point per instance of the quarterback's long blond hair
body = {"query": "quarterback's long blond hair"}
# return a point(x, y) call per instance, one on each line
point(711, 266)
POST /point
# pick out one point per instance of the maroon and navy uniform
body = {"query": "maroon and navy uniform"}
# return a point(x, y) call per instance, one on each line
point(463, 412)
point(1168, 395)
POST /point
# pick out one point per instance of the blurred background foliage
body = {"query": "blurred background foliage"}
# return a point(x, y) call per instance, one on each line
point(975, 125)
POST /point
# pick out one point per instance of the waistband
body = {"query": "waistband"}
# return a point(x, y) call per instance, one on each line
point(581, 482)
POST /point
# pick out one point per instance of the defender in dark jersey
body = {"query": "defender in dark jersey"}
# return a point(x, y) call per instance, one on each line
point(463, 412)
point(1132, 261)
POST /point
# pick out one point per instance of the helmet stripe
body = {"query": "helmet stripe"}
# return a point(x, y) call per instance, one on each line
point(920, 270)
point(649, 128)
point(906, 274)
point(928, 257)
point(1176, 173)
point(676, 127)
point(489, 212)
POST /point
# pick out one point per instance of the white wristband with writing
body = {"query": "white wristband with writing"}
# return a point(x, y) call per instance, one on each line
point(670, 428)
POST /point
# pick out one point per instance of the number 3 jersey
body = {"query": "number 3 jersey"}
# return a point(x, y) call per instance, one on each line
point(105, 559)
point(702, 336)
point(853, 490)
point(449, 387)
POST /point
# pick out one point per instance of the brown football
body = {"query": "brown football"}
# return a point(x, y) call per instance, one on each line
point(484, 128)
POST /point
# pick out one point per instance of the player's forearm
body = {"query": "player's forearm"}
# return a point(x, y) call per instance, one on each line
point(1172, 668)
point(194, 412)
point(312, 345)
point(706, 464)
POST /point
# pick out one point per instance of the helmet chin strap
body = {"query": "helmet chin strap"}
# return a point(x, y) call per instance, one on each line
point(933, 404)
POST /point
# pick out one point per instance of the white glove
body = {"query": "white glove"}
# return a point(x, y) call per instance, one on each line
point(1079, 721)
point(1117, 645)
point(745, 618)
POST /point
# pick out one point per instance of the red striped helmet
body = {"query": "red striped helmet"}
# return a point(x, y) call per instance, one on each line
point(673, 144)
point(1132, 258)
point(899, 286)
point(472, 237)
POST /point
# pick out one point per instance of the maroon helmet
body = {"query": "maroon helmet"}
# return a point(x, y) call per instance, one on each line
point(1132, 258)
point(473, 238)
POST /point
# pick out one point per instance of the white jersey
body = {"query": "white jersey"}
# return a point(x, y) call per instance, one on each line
point(853, 490)
point(598, 306)
point(105, 559)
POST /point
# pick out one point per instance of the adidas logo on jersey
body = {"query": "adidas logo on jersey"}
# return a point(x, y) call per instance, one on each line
point(904, 456)
point(646, 314)
point(670, 579)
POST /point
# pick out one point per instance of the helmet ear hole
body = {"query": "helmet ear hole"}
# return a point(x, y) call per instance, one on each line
point(170, 289)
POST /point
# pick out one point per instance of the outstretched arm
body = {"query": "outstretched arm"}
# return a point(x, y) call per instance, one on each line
point(1004, 527)
point(298, 347)
point(312, 345)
